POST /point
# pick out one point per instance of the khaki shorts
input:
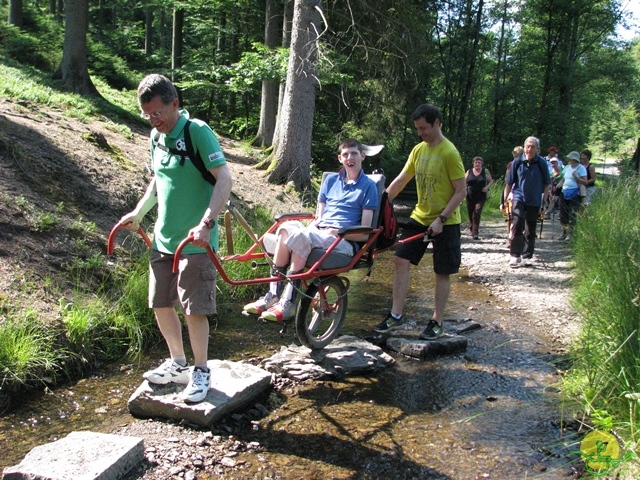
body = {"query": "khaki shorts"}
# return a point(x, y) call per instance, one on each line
point(193, 287)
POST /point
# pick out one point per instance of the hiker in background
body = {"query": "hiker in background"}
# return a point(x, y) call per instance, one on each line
point(552, 153)
point(439, 173)
point(573, 175)
point(347, 198)
point(478, 180)
point(517, 152)
point(529, 181)
point(187, 205)
point(556, 176)
point(585, 160)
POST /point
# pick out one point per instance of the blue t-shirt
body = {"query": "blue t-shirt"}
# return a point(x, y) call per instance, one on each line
point(528, 180)
point(344, 201)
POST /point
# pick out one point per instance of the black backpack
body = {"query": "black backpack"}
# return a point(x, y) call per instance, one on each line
point(196, 159)
point(387, 220)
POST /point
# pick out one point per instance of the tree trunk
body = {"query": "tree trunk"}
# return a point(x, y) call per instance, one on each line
point(464, 101)
point(73, 68)
point(176, 47)
point(16, 17)
point(293, 151)
point(287, 19)
point(148, 30)
point(269, 101)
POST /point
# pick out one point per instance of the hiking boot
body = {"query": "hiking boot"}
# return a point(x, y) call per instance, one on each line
point(432, 331)
point(281, 311)
point(169, 371)
point(198, 386)
point(514, 262)
point(262, 304)
point(389, 323)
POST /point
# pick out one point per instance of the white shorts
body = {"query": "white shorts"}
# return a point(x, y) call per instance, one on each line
point(302, 239)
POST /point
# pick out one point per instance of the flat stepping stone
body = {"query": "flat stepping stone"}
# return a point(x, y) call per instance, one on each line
point(346, 355)
point(233, 385)
point(422, 349)
point(80, 456)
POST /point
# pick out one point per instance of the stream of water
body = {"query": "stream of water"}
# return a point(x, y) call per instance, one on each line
point(491, 412)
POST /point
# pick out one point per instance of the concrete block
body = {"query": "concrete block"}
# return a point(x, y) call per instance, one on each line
point(233, 385)
point(80, 456)
point(422, 349)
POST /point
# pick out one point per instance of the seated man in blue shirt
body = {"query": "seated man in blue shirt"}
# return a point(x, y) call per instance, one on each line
point(347, 198)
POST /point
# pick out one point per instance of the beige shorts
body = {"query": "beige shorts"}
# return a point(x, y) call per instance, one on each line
point(193, 287)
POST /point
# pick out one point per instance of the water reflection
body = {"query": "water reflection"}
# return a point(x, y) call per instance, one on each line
point(486, 413)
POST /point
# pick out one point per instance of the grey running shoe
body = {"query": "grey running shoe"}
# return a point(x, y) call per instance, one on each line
point(389, 323)
point(198, 386)
point(432, 331)
point(169, 371)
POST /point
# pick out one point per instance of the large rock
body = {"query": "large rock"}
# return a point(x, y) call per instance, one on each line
point(428, 348)
point(80, 456)
point(346, 355)
point(233, 385)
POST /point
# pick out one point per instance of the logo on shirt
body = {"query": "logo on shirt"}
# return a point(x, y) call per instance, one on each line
point(181, 145)
point(216, 156)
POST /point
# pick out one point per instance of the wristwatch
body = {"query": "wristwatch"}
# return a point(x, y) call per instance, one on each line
point(209, 222)
point(442, 218)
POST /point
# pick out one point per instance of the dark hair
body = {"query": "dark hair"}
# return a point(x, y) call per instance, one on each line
point(478, 158)
point(350, 143)
point(429, 112)
point(156, 85)
point(586, 152)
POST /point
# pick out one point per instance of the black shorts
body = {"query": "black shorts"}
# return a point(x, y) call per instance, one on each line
point(447, 255)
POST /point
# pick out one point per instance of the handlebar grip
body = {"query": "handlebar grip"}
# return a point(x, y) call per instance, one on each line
point(114, 231)
point(178, 253)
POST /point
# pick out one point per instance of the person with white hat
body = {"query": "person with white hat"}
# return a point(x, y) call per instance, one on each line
point(573, 175)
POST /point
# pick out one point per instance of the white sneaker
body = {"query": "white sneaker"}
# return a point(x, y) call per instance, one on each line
point(514, 262)
point(262, 304)
point(528, 262)
point(169, 371)
point(198, 386)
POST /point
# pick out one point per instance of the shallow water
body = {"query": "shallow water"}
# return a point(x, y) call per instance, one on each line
point(491, 412)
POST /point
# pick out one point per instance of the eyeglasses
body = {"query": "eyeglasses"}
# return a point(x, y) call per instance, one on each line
point(153, 115)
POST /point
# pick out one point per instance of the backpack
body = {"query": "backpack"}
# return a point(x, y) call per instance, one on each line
point(196, 159)
point(387, 220)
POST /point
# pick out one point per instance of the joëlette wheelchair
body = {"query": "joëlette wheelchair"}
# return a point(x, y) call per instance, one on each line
point(323, 293)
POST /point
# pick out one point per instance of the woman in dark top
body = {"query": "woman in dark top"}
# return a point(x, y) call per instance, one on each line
point(478, 181)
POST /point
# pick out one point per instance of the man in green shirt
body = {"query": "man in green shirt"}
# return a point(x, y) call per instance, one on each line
point(187, 205)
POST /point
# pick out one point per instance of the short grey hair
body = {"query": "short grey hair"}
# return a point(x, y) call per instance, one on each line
point(535, 140)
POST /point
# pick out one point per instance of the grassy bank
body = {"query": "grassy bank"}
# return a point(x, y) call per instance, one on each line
point(606, 371)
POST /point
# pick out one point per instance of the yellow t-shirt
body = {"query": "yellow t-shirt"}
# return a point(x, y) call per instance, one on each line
point(434, 168)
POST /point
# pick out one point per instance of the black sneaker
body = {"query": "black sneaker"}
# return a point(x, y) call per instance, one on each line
point(389, 323)
point(432, 331)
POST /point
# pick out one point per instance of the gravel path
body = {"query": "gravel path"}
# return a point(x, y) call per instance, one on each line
point(542, 291)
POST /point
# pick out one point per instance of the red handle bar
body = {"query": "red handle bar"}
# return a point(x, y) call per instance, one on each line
point(114, 230)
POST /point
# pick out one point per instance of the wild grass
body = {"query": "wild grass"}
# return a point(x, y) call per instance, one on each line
point(606, 294)
point(28, 350)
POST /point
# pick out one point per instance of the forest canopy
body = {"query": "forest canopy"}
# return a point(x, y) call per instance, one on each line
point(500, 71)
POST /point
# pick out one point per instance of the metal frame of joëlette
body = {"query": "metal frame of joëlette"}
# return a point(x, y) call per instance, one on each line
point(258, 252)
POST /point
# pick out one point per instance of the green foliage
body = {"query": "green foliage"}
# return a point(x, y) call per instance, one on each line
point(606, 294)
point(27, 350)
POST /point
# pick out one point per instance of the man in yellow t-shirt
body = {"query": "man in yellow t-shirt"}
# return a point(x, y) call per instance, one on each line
point(439, 172)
